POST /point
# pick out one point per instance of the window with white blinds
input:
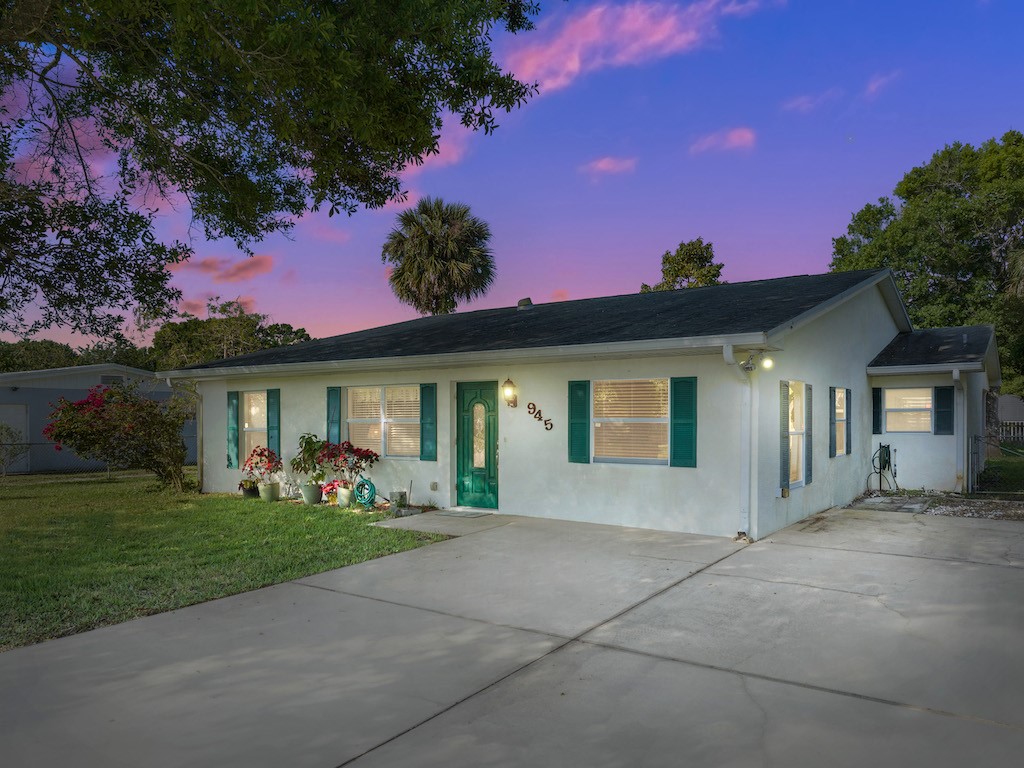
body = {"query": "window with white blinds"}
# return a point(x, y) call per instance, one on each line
point(630, 420)
point(385, 419)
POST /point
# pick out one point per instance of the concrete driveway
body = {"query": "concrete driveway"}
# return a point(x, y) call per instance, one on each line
point(856, 637)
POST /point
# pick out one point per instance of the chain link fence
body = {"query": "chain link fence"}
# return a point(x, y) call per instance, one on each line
point(34, 458)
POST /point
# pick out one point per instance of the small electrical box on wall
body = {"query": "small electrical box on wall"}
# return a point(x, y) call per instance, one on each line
point(782, 493)
point(433, 486)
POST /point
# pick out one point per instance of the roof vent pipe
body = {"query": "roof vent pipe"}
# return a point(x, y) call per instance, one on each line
point(524, 303)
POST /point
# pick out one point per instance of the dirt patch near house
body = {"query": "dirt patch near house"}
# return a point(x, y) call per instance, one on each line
point(942, 505)
point(992, 509)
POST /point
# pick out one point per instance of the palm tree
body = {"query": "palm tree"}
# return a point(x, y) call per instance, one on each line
point(440, 255)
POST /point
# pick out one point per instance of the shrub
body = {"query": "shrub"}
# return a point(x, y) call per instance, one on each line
point(262, 463)
point(307, 460)
point(125, 429)
point(347, 460)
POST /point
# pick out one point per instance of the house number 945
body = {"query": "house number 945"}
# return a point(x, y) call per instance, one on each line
point(538, 414)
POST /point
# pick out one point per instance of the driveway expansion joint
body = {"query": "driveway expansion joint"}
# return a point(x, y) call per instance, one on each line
point(1010, 566)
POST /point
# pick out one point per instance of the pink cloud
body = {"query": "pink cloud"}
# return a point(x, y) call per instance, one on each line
point(608, 35)
point(452, 145)
point(412, 196)
point(741, 138)
point(248, 268)
point(560, 294)
point(809, 102)
point(226, 271)
point(328, 233)
point(879, 82)
point(248, 303)
point(608, 164)
point(192, 306)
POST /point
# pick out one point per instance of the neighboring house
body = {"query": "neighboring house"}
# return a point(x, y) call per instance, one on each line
point(654, 410)
point(1011, 418)
point(27, 399)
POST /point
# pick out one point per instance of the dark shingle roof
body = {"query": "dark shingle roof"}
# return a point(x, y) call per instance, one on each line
point(750, 307)
point(936, 346)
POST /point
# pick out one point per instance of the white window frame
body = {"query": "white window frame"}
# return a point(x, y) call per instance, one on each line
point(845, 421)
point(930, 410)
point(243, 430)
point(645, 420)
point(801, 433)
point(384, 420)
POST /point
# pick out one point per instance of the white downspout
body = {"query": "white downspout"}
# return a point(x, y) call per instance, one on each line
point(745, 430)
point(960, 431)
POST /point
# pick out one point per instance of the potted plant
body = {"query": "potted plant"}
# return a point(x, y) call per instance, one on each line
point(334, 493)
point(249, 488)
point(307, 462)
point(263, 463)
point(349, 462)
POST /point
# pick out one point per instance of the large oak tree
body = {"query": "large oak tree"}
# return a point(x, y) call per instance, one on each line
point(953, 234)
point(251, 112)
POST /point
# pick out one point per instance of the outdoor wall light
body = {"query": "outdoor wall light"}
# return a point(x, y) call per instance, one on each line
point(508, 391)
point(750, 364)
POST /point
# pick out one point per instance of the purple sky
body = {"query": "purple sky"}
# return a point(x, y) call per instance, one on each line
point(759, 125)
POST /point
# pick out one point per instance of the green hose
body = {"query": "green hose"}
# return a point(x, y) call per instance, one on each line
point(366, 492)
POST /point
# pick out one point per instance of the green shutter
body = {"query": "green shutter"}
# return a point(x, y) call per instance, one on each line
point(428, 422)
point(274, 420)
point(808, 437)
point(579, 422)
point(832, 422)
point(232, 433)
point(784, 434)
point(849, 422)
point(683, 422)
point(943, 405)
point(876, 410)
point(334, 414)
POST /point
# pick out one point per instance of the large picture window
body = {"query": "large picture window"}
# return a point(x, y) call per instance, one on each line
point(631, 421)
point(385, 419)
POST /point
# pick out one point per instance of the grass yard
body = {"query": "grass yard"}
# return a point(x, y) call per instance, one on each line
point(1003, 474)
point(84, 554)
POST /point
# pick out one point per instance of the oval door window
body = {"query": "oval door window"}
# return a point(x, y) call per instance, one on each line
point(479, 436)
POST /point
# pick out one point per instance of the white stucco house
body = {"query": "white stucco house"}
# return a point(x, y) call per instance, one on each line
point(735, 408)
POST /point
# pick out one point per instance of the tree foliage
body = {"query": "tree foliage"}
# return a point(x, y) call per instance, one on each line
point(228, 330)
point(32, 355)
point(692, 265)
point(252, 112)
point(439, 255)
point(953, 234)
point(125, 429)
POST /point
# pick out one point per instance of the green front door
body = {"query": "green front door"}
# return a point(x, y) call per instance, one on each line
point(476, 438)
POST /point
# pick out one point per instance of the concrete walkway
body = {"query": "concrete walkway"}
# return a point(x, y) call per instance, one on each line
point(856, 637)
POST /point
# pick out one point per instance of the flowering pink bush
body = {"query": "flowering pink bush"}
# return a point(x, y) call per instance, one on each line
point(121, 427)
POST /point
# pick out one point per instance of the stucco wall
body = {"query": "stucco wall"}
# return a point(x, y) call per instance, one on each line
point(832, 351)
point(535, 477)
point(923, 460)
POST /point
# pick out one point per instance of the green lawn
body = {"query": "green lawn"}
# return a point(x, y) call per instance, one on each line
point(1003, 474)
point(90, 552)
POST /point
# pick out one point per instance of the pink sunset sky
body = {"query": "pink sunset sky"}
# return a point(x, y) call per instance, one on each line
point(760, 125)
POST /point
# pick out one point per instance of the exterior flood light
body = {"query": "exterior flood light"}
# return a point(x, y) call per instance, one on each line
point(508, 391)
point(767, 363)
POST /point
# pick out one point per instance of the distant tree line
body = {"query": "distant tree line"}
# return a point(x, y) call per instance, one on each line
point(228, 330)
